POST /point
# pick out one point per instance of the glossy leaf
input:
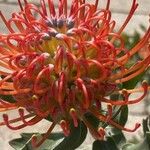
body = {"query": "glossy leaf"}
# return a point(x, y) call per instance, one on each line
point(146, 125)
point(75, 139)
point(7, 98)
point(131, 40)
point(142, 145)
point(24, 143)
point(123, 115)
point(55, 141)
point(93, 120)
point(133, 82)
point(105, 145)
point(117, 136)
point(120, 114)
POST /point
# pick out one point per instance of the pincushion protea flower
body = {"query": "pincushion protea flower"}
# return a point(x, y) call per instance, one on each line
point(64, 64)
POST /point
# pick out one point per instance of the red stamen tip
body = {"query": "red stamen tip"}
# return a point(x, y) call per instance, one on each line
point(73, 114)
point(145, 84)
point(101, 133)
point(34, 141)
point(65, 127)
point(137, 125)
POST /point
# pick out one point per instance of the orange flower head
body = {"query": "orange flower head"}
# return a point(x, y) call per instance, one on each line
point(66, 63)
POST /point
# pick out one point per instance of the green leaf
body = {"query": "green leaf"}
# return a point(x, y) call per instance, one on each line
point(146, 125)
point(123, 117)
point(133, 82)
point(148, 139)
point(93, 120)
point(55, 141)
point(8, 98)
point(105, 145)
point(75, 139)
point(49, 118)
point(117, 136)
point(24, 143)
point(143, 27)
point(120, 114)
point(128, 146)
point(21, 144)
point(131, 40)
point(143, 145)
